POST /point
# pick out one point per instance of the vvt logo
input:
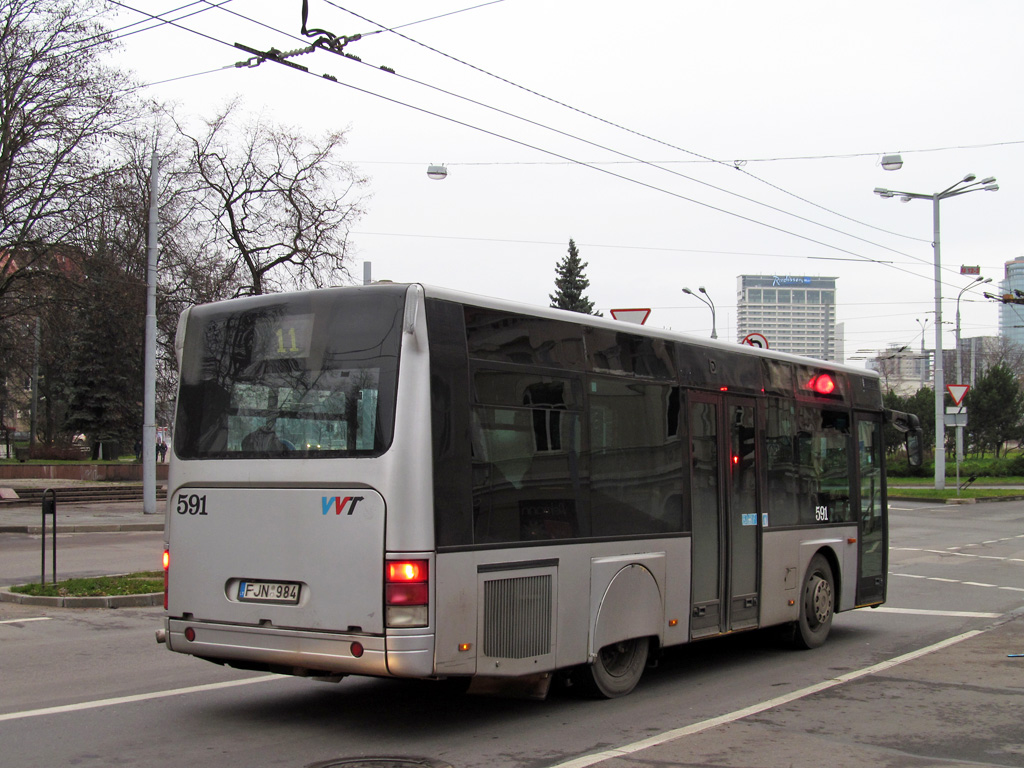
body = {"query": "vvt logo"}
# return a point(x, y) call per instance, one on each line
point(339, 504)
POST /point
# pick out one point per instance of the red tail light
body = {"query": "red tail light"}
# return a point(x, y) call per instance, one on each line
point(167, 570)
point(407, 593)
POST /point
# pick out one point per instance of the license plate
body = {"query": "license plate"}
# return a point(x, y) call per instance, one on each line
point(268, 592)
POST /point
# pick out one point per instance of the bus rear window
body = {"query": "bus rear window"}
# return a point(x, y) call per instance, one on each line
point(300, 376)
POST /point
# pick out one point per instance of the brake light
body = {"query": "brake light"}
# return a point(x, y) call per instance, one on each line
point(407, 593)
point(167, 570)
point(407, 571)
point(823, 384)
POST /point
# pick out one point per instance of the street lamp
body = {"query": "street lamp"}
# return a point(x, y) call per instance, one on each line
point(962, 187)
point(707, 300)
point(973, 284)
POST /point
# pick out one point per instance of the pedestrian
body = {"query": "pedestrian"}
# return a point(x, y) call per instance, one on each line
point(138, 450)
point(162, 448)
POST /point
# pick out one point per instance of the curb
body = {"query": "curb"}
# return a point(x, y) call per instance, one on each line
point(108, 601)
point(954, 501)
point(84, 528)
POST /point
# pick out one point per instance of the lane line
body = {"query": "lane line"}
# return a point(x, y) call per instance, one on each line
point(739, 714)
point(955, 581)
point(924, 612)
point(22, 621)
point(137, 697)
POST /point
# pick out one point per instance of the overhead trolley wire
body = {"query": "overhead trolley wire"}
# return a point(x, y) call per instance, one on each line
point(277, 57)
point(618, 126)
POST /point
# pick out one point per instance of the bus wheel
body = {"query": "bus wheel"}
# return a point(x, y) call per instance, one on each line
point(817, 605)
point(617, 669)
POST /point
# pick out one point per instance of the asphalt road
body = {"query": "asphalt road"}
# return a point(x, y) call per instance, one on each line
point(123, 700)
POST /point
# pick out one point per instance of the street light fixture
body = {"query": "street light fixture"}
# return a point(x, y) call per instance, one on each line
point(892, 162)
point(973, 284)
point(707, 300)
point(962, 187)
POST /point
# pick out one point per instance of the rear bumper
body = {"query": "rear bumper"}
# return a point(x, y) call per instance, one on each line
point(403, 656)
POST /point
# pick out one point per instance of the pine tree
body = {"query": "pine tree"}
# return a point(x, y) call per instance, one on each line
point(570, 283)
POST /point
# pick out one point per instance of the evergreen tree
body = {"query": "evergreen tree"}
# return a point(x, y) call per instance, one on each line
point(570, 283)
point(996, 405)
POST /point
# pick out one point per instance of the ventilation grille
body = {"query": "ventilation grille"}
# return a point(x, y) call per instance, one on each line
point(517, 617)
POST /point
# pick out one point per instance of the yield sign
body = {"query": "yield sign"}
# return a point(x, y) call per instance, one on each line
point(957, 392)
point(638, 316)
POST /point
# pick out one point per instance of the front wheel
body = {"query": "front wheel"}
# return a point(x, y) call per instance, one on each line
point(617, 668)
point(817, 605)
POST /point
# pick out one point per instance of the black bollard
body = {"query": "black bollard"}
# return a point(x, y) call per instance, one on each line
point(49, 508)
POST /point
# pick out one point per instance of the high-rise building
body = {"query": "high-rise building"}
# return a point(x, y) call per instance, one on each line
point(1011, 316)
point(795, 314)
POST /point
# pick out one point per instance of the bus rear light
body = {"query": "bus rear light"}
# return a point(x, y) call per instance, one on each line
point(167, 571)
point(406, 571)
point(407, 593)
point(356, 649)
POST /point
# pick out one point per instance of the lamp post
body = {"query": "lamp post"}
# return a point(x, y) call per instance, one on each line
point(962, 187)
point(707, 300)
point(959, 362)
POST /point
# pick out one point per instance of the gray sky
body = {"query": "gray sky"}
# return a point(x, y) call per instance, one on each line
point(804, 96)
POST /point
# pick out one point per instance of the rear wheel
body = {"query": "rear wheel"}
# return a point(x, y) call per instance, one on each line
point(817, 605)
point(617, 668)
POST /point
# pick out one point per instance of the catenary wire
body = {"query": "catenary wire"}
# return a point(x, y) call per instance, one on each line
point(617, 125)
point(335, 80)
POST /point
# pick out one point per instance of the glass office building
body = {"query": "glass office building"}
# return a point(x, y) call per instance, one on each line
point(1011, 316)
point(795, 314)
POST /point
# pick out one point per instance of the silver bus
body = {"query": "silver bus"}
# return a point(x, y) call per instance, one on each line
point(405, 481)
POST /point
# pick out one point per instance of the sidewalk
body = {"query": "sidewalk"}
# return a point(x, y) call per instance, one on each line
point(85, 517)
point(959, 703)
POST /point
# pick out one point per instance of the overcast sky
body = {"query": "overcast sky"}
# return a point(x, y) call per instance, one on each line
point(621, 125)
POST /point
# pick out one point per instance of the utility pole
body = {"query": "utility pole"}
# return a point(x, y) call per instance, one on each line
point(149, 376)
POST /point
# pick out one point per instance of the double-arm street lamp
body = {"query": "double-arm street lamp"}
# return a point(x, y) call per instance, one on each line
point(973, 284)
point(962, 187)
point(707, 300)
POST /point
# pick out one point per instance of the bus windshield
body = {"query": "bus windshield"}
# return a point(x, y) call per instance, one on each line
point(298, 376)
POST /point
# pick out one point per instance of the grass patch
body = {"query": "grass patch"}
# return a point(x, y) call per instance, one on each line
point(929, 481)
point(99, 586)
point(973, 492)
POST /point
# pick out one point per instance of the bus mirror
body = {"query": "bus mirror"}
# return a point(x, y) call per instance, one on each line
point(915, 453)
point(910, 426)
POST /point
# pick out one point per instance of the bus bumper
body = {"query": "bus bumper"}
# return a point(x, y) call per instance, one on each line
point(302, 653)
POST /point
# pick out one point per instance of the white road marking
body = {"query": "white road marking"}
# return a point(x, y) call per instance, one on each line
point(739, 714)
point(951, 551)
point(923, 612)
point(21, 621)
point(956, 581)
point(137, 697)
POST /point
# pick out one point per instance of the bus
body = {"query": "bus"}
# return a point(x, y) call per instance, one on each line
point(404, 481)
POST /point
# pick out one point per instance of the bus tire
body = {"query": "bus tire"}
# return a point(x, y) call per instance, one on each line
point(616, 670)
point(817, 605)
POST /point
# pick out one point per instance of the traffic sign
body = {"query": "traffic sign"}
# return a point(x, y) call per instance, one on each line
point(957, 392)
point(638, 316)
point(755, 340)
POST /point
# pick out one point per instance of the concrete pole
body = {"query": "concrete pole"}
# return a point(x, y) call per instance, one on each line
point(940, 384)
point(149, 395)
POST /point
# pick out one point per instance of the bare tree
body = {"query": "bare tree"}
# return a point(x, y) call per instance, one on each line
point(273, 201)
point(58, 105)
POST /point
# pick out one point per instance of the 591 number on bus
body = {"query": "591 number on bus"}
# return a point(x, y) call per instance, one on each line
point(191, 504)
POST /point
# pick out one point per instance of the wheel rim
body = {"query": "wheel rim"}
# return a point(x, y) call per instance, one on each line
point(819, 601)
point(617, 657)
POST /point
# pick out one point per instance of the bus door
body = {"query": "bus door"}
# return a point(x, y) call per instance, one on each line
point(725, 520)
point(872, 517)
